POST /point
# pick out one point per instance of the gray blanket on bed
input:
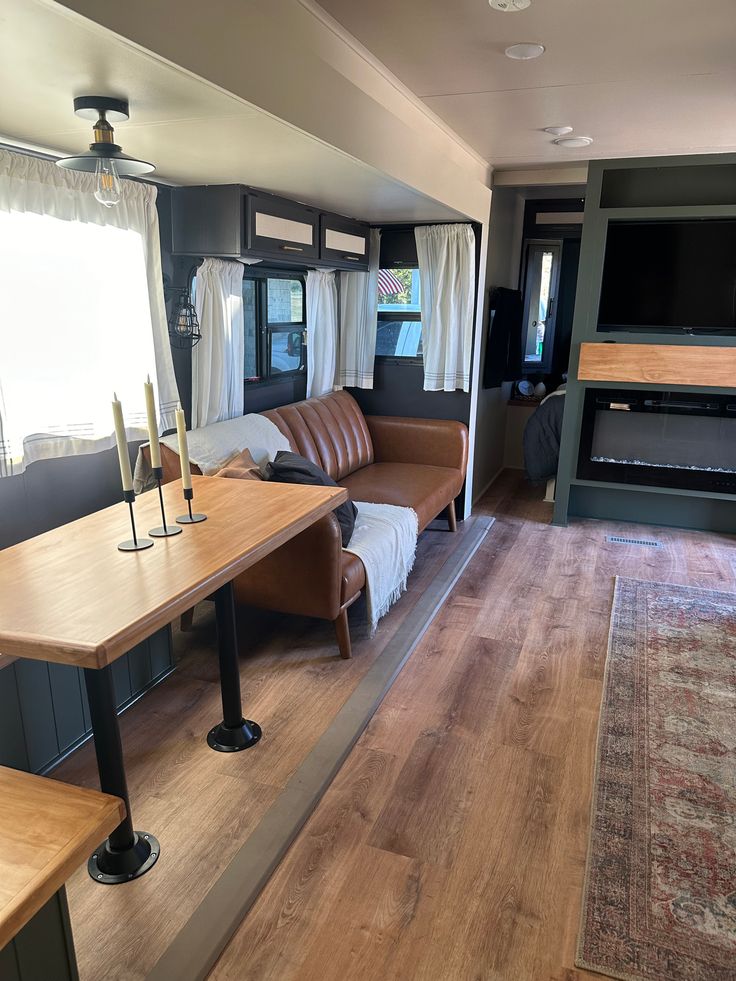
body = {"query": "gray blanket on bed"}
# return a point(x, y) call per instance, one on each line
point(542, 436)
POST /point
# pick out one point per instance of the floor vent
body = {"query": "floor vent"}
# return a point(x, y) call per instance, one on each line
point(649, 542)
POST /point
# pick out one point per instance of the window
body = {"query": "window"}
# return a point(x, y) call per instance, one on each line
point(274, 312)
point(399, 329)
point(76, 327)
point(540, 303)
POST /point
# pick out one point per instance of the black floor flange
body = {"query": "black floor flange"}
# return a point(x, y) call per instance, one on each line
point(111, 867)
point(231, 739)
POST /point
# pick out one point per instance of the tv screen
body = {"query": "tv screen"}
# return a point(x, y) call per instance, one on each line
point(669, 275)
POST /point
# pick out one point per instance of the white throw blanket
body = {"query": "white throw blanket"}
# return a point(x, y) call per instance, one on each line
point(385, 540)
point(212, 446)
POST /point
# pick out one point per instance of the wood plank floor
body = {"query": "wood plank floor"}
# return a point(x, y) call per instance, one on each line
point(202, 805)
point(451, 846)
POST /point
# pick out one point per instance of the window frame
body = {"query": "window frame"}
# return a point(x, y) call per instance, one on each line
point(265, 331)
point(544, 365)
point(415, 316)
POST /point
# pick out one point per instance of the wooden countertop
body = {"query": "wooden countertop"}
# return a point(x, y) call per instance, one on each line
point(47, 829)
point(70, 596)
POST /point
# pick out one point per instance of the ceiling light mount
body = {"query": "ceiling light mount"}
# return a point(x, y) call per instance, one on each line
point(525, 51)
point(573, 142)
point(104, 158)
point(510, 6)
point(558, 130)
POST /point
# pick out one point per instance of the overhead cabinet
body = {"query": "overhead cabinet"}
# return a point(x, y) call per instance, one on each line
point(234, 221)
point(281, 228)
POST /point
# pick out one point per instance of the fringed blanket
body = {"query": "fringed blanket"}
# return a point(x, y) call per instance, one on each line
point(385, 540)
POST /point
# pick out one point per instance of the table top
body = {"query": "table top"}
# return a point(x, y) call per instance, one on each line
point(47, 829)
point(71, 596)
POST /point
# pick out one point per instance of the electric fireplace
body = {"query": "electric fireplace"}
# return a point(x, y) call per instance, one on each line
point(659, 438)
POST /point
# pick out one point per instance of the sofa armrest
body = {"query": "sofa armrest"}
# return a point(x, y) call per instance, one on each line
point(303, 576)
point(435, 442)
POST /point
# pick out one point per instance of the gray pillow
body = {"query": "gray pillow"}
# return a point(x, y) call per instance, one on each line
point(290, 468)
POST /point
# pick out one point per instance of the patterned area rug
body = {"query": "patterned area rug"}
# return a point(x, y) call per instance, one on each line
point(660, 894)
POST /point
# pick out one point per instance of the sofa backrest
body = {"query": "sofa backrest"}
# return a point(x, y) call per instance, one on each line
point(330, 430)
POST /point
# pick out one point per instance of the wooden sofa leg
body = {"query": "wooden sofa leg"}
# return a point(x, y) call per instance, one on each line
point(342, 630)
point(451, 516)
point(187, 619)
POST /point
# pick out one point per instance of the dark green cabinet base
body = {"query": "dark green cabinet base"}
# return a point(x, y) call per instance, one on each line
point(44, 948)
point(44, 714)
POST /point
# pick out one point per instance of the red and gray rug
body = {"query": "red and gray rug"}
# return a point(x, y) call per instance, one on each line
point(660, 895)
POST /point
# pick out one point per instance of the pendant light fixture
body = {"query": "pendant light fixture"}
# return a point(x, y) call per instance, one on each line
point(104, 158)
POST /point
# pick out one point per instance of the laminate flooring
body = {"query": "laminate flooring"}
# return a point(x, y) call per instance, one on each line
point(452, 844)
point(202, 805)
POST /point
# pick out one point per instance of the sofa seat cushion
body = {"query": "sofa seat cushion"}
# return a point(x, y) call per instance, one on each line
point(353, 577)
point(428, 490)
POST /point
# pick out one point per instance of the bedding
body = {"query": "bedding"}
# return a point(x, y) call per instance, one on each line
point(542, 435)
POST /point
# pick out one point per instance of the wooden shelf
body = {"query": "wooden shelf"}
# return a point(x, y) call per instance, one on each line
point(658, 364)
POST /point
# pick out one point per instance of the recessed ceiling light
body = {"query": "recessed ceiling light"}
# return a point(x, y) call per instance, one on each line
point(525, 51)
point(510, 6)
point(573, 142)
point(558, 130)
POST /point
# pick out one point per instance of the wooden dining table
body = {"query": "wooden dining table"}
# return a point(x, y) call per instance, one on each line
point(70, 596)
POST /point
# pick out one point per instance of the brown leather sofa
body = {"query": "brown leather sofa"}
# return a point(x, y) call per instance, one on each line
point(417, 463)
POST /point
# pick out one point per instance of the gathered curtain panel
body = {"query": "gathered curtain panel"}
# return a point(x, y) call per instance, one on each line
point(358, 321)
point(322, 333)
point(218, 358)
point(446, 255)
point(83, 314)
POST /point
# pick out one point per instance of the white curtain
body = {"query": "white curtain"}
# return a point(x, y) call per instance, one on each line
point(81, 313)
point(217, 360)
point(446, 256)
point(358, 318)
point(321, 331)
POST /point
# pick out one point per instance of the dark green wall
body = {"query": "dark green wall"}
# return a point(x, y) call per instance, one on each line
point(667, 188)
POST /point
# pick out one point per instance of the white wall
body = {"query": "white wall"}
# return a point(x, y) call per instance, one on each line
point(504, 256)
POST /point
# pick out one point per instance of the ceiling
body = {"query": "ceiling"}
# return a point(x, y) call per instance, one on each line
point(642, 77)
point(193, 131)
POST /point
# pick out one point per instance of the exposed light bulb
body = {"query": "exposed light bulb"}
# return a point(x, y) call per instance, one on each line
point(107, 189)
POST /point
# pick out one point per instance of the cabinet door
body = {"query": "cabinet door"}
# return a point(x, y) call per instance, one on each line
point(206, 220)
point(281, 228)
point(344, 241)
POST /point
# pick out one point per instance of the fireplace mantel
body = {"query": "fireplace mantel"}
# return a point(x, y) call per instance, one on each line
point(658, 364)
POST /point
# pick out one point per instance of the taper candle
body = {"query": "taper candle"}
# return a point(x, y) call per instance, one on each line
point(122, 441)
point(152, 423)
point(181, 432)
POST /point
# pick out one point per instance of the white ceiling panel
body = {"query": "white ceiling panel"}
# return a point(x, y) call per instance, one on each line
point(193, 131)
point(639, 76)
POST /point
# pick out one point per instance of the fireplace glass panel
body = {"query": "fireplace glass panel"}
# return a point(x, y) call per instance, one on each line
point(659, 438)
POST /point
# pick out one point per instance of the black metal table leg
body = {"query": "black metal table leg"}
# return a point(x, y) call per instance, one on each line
point(127, 854)
point(234, 732)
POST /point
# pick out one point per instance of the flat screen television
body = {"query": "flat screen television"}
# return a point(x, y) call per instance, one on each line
point(670, 276)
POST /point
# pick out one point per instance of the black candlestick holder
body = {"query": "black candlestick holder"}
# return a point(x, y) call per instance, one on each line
point(164, 530)
point(135, 544)
point(190, 519)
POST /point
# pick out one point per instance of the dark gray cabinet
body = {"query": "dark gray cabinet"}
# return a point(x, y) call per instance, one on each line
point(229, 220)
point(280, 228)
point(343, 240)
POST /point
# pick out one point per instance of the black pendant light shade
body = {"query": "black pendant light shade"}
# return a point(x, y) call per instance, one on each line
point(101, 110)
point(183, 323)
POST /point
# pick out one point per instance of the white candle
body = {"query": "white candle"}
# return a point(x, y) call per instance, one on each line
point(181, 432)
point(152, 423)
point(121, 440)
